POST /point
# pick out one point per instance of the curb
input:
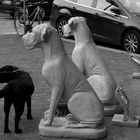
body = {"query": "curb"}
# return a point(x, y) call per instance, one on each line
point(8, 35)
point(13, 34)
point(105, 48)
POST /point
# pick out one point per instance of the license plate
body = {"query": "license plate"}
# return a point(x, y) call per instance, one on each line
point(7, 2)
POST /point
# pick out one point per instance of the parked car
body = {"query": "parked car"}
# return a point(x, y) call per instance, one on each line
point(111, 21)
point(10, 6)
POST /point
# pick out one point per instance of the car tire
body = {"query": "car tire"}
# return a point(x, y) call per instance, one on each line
point(131, 41)
point(59, 25)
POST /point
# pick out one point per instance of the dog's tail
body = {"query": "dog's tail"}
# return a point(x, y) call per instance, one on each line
point(2, 93)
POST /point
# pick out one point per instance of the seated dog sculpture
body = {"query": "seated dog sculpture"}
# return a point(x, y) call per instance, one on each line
point(67, 82)
point(18, 90)
point(85, 56)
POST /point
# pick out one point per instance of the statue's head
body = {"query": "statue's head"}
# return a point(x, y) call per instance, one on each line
point(37, 36)
point(72, 25)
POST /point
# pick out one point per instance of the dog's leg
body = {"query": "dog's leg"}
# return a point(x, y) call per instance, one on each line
point(86, 111)
point(7, 105)
point(28, 102)
point(56, 95)
point(19, 108)
point(17, 119)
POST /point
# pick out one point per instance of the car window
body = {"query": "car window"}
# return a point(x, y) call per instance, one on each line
point(131, 5)
point(73, 0)
point(89, 3)
point(106, 6)
point(102, 4)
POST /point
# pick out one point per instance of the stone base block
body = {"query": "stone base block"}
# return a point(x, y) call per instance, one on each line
point(118, 120)
point(57, 130)
point(136, 75)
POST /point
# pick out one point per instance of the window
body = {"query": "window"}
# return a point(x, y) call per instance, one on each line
point(73, 0)
point(86, 2)
point(102, 4)
point(106, 6)
point(131, 5)
point(90, 3)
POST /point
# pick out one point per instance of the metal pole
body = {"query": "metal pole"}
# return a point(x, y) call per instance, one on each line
point(24, 9)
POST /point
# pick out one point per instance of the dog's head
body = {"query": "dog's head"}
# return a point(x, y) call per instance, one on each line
point(39, 35)
point(7, 73)
point(72, 25)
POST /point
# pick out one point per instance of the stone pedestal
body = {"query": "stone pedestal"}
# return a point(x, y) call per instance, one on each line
point(59, 130)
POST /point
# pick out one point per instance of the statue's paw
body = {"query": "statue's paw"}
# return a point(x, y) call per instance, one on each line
point(83, 125)
point(74, 125)
point(71, 118)
point(46, 123)
point(59, 112)
point(46, 112)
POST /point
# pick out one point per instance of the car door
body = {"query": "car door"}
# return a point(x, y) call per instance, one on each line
point(110, 23)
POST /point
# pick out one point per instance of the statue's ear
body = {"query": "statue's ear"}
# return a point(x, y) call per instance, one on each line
point(83, 19)
point(45, 34)
point(72, 24)
point(29, 39)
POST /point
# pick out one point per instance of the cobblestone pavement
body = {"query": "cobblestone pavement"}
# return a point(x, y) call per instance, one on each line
point(12, 52)
point(6, 24)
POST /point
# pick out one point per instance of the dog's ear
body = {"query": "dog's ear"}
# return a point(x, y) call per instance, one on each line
point(45, 34)
point(83, 19)
point(72, 24)
point(29, 40)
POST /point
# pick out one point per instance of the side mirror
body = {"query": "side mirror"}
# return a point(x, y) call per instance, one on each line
point(116, 11)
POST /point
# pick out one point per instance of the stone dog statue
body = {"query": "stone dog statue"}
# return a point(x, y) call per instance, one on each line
point(65, 81)
point(85, 56)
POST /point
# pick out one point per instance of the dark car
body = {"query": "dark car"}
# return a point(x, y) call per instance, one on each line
point(10, 6)
point(110, 21)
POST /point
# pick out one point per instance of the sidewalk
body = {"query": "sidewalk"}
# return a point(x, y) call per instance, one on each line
point(12, 52)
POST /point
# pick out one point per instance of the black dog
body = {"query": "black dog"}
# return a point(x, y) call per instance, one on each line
point(18, 90)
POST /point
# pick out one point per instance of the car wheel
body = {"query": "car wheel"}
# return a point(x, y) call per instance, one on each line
point(59, 26)
point(131, 41)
